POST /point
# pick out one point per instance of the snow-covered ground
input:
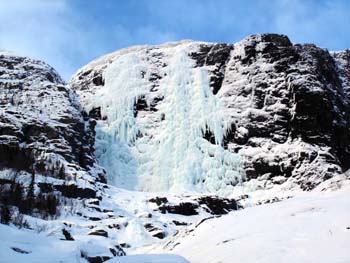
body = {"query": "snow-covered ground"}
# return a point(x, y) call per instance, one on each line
point(312, 227)
point(151, 258)
point(309, 227)
point(20, 245)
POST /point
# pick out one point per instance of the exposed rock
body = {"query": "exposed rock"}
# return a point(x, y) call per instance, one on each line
point(67, 235)
point(298, 101)
point(125, 245)
point(178, 223)
point(212, 204)
point(159, 200)
point(99, 232)
point(19, 250)
point(95, 259)
point(68, 190)
point(88, 254)
point(186, 209)
point(93, 218)
point(117, 251)
point(43, 134)
point(217, 56)
point(98, 80)
point(95, 113)
point(115, 226)
point(218, 206)
point(155, 231)
point(73, 191)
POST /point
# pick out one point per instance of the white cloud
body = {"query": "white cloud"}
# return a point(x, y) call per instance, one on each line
point(55, 33)
point(66, 37)
point(36, 29)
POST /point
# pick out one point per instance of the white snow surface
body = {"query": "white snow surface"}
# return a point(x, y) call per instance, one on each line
point(40, 248)
point(312, 227)
point(309, 227)
point(163, 149)
point(150, 258)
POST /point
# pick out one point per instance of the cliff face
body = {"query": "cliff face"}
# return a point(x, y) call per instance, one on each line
point(179, 116)
point(284, 108)
point(46, 147)
point(187, 117)
point(293, 105)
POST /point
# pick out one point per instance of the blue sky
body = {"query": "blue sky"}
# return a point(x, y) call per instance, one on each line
point(69, 33)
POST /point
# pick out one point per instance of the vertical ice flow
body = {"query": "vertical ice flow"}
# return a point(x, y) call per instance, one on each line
point(171, 153)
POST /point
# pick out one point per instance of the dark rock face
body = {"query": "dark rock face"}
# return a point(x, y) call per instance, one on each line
point(95, 259)
point(43, 133)
point(218, 206)
point(19, 250)
point(19, 90)
point(141, 105)
point(211, 204)
point(67, 235)
point(214, 55)
point(186, 209)
point(321, 117)
point(159, 200)
point(99, 232)
point(289, 93)
point(155, 231)
point(70, 191)
point(297, 95)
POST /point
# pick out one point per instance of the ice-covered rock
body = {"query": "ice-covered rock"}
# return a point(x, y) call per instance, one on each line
point(204, 116)
point(156, 110)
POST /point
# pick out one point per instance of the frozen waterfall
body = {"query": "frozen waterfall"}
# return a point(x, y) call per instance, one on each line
point(163, 149)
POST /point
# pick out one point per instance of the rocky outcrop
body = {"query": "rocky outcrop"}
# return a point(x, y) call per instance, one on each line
point(290, 109)
point(210, 204)
point(99, 232)
point(46, 146)
point(154, 231)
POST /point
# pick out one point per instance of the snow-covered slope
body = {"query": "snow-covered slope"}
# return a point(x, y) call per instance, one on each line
point(204, 116)
point(313, 227)
point(28, 246)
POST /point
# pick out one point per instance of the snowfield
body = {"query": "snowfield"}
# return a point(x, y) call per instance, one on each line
point(155, 258)
point(311, 227)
